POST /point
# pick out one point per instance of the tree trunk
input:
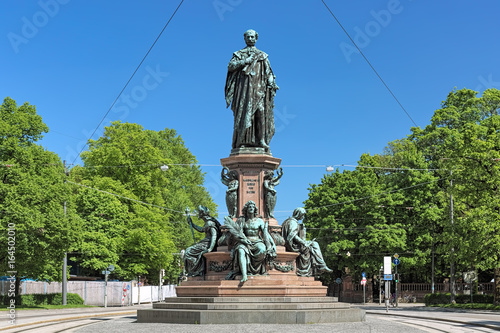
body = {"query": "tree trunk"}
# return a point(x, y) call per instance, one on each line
point(18, 284)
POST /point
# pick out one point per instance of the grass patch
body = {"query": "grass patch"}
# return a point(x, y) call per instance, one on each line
point(36, 300)
point(476, 306)
point(49, 307)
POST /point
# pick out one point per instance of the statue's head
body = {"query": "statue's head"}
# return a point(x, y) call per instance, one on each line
point(203, 211)
point(299, 213)
point(269, 174)
point(251, 37)
point(250, 205)
point(233, 174)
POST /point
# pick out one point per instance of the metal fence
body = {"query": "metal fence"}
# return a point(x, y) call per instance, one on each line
point(118, 293)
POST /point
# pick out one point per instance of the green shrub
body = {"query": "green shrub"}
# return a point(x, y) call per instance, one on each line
point(31, 300)
point(73, 299)
point(476, 298)
point(442, 298)
point(437, 298)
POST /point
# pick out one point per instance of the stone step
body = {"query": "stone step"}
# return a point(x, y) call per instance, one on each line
point(187, 316)
point(250, 306)
point(252, 282)
point(251, 291)
point(303, 300)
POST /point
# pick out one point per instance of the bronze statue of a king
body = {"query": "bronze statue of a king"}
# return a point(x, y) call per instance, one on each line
point(250, 90)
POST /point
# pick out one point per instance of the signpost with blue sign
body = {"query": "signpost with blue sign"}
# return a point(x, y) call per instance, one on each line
point(396, 263)
point(363, 283)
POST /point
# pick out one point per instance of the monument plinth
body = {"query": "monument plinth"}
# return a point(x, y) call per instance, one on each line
point(251, 269)
point(251, 170)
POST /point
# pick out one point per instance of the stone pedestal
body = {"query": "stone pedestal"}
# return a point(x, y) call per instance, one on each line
point(251, 169)
point(278, 297)
point(248, 310)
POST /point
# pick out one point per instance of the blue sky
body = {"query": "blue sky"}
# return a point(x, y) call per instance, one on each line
point(71, 59)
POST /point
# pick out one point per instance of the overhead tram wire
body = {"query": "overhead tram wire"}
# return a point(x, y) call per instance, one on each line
point(130, 79)
point(366, 59)
point(378, 194)
point(124, 197)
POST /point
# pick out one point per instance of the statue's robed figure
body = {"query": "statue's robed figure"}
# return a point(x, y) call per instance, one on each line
point(250, 90)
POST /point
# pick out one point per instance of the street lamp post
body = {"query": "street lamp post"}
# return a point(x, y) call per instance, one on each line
point(380, 272)
point(65, 260)
point(108, 270)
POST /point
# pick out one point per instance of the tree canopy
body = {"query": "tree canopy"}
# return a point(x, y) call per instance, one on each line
point(121, 208)
point(141, 229)
point(400, 201)
point(32, 195)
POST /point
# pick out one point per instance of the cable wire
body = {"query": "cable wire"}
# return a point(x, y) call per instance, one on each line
point(379, 194)
point(124, 197)
point(130, 79)
point(362, 54)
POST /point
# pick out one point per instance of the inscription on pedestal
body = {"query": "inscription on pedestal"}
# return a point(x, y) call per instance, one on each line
point(250, 184)
point(250, 188)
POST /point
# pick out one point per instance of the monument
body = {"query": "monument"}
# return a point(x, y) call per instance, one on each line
point(251, 269)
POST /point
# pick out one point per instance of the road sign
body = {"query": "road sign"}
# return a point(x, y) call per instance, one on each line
point(396, 261)
point(387, 265)
point(363, 281)
point(338, 281)
point(105, 272)
point(388, 277)
point(396, 255)
point(363, 274)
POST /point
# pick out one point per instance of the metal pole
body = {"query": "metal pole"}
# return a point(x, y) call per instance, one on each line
point(65, 260)
point(364, 293)
point(139, 291)
point(64, 277)
point(159, 288)
point(432, 270)
point(396, 291)
point(387, 291)
point(452, 259)
point(380, 286)
point(106, 289)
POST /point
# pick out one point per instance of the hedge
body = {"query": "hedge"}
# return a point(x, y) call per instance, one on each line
point(43, 299)
point(442, 298)
point(476, 298)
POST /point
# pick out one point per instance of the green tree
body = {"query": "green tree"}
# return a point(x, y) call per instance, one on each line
point(32, 195)
point(347, 213)
point(405, 172)
point(413, 180)
point(126, 161)
point(463, 138)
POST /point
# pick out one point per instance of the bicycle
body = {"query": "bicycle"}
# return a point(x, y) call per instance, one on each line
point(409, 299)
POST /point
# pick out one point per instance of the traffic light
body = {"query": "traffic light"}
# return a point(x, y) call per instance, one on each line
point(396, 278)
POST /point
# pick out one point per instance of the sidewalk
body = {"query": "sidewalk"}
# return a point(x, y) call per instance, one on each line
point(486, 318)
point(28, 316)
